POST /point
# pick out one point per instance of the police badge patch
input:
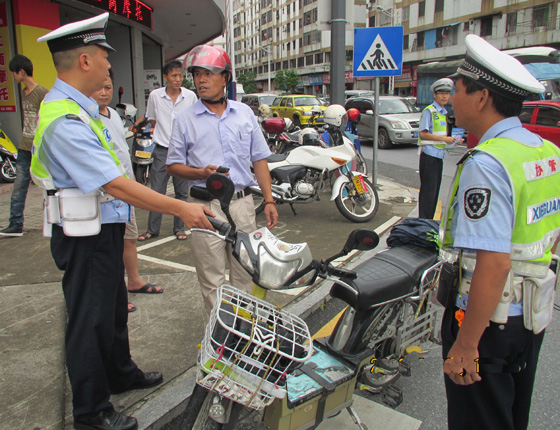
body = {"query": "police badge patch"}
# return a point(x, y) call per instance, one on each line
point(477, 202)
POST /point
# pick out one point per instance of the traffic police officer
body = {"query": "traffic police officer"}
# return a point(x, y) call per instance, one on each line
point(504, 218)
point(433, 141)
point(74, 162)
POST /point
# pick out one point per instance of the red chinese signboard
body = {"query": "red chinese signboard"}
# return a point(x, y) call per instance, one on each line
point(134, 10)
point(7, 96)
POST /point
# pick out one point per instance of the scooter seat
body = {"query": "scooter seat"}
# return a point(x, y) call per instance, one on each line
point(387, 276)
point(275, 158)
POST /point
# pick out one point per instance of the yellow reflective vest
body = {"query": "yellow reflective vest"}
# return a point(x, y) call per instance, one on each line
point(534, 175)
point(49, 114)
point(439, 127)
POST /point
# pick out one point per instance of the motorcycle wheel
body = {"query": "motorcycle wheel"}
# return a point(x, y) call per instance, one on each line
point(196, 416)
point(141, 174)
point(361, 165)
point(355, 207)
point(8, 171)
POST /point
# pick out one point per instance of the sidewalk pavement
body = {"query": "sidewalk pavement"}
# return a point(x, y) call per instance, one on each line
point(34, 387)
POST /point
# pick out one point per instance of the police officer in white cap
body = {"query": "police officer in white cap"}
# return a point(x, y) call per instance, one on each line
point(503, 224)
point(74, 162)
point(434, 142)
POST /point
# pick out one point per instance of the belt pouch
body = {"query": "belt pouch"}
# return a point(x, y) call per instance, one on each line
point(201, 193)
point(538, 301)
point(448, 285)
point(81, 214)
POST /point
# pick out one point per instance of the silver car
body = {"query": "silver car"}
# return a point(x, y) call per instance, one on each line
point(399, 120)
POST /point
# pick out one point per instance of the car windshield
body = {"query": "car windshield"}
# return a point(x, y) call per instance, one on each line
point(307, 101)
point(392, 106)
point(267, 100)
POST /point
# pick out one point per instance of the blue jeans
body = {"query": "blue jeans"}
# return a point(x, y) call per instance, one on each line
point(21, 185)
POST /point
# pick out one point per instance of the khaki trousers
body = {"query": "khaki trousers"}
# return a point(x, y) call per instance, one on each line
point(210, 253)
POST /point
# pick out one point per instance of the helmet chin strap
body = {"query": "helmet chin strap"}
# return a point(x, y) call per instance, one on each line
point(215, 102)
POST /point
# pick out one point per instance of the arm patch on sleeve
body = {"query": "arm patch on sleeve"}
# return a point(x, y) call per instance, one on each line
point(477, 202)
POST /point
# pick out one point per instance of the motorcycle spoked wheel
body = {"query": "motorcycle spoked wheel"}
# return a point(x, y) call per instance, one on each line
point(355, 207)
point(141, 173)
point(196, 416)
point(7, 172)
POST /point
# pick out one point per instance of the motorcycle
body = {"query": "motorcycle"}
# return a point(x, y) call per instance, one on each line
point(142, 151)
point(258, 367)
point(142, 146)
point(8, 157)
point(300, 175)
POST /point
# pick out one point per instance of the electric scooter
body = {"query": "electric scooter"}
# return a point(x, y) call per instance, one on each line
point(258, 367)
point(8, 157)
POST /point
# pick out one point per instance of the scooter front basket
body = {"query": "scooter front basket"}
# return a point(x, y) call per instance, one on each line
point(249, 348)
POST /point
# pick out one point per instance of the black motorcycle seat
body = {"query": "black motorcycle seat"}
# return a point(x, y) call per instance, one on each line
point(275, 158)
point(386, 276)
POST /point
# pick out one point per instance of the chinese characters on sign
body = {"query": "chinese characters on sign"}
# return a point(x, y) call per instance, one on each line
point(7, 96)
point(134, 10)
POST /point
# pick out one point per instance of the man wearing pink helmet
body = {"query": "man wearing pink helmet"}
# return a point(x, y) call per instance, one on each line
point(217, 132)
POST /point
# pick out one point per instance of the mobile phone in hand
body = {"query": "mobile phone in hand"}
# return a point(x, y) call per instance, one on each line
point(222, 169)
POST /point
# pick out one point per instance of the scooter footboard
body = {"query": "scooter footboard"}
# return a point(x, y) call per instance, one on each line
point(318, 390)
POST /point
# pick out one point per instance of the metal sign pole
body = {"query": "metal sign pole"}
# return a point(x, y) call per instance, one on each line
point(375, 133)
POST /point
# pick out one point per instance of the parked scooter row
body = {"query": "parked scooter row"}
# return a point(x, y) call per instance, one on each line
point(258, 367)
point(300, 175)
point(8, 157)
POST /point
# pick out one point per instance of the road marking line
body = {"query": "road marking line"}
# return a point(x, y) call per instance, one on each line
point(158, 242)
point(167, 263)
point(328, 328)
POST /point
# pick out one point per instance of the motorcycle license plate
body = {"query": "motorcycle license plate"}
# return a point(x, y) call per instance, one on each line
point(143, 154)
point(358, 182)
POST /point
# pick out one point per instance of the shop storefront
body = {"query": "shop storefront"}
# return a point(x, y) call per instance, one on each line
point(144, 34)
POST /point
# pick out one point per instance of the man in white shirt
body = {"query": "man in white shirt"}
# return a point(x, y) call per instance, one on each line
point(163, 105)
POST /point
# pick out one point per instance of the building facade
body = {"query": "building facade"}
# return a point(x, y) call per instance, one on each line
point(295, 35)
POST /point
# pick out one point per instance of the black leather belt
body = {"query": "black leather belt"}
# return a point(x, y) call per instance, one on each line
point(240, 194)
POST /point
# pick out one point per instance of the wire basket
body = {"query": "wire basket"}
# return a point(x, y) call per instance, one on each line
point(249, 348)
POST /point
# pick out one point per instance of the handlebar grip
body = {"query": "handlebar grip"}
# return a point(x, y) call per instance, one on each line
point(223, 228)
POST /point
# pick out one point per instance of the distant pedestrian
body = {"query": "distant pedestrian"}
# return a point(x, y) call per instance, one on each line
point(163, 106)
point(31, 97)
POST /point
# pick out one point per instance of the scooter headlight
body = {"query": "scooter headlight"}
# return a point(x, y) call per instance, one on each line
point(144, 142)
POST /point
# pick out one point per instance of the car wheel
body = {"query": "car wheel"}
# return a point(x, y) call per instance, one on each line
point(297, 122)
point(383, 141)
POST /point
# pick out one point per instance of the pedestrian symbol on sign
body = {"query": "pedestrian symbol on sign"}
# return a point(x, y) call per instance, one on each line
point(377, 57)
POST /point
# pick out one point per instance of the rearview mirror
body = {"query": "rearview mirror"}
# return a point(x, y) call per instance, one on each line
point(362, 240)
point(221, 188)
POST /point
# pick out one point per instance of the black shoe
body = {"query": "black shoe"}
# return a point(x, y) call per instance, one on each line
point(12, 230)
point(107, 420)
point(142, 381)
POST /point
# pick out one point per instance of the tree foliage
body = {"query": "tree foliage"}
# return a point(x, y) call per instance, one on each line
point(248, 81)
point(286, 80)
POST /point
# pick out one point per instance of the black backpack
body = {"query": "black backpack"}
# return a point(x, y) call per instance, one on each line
point(415, 231)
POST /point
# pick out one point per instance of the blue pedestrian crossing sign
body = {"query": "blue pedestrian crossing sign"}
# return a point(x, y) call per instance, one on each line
point(378, 51)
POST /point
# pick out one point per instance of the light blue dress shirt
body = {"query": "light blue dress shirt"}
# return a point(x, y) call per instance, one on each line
point(427, 124)
point(493, 231)
point(74, 156)
point(200, 137)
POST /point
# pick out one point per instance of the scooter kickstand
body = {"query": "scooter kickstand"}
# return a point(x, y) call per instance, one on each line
point(356, 418)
